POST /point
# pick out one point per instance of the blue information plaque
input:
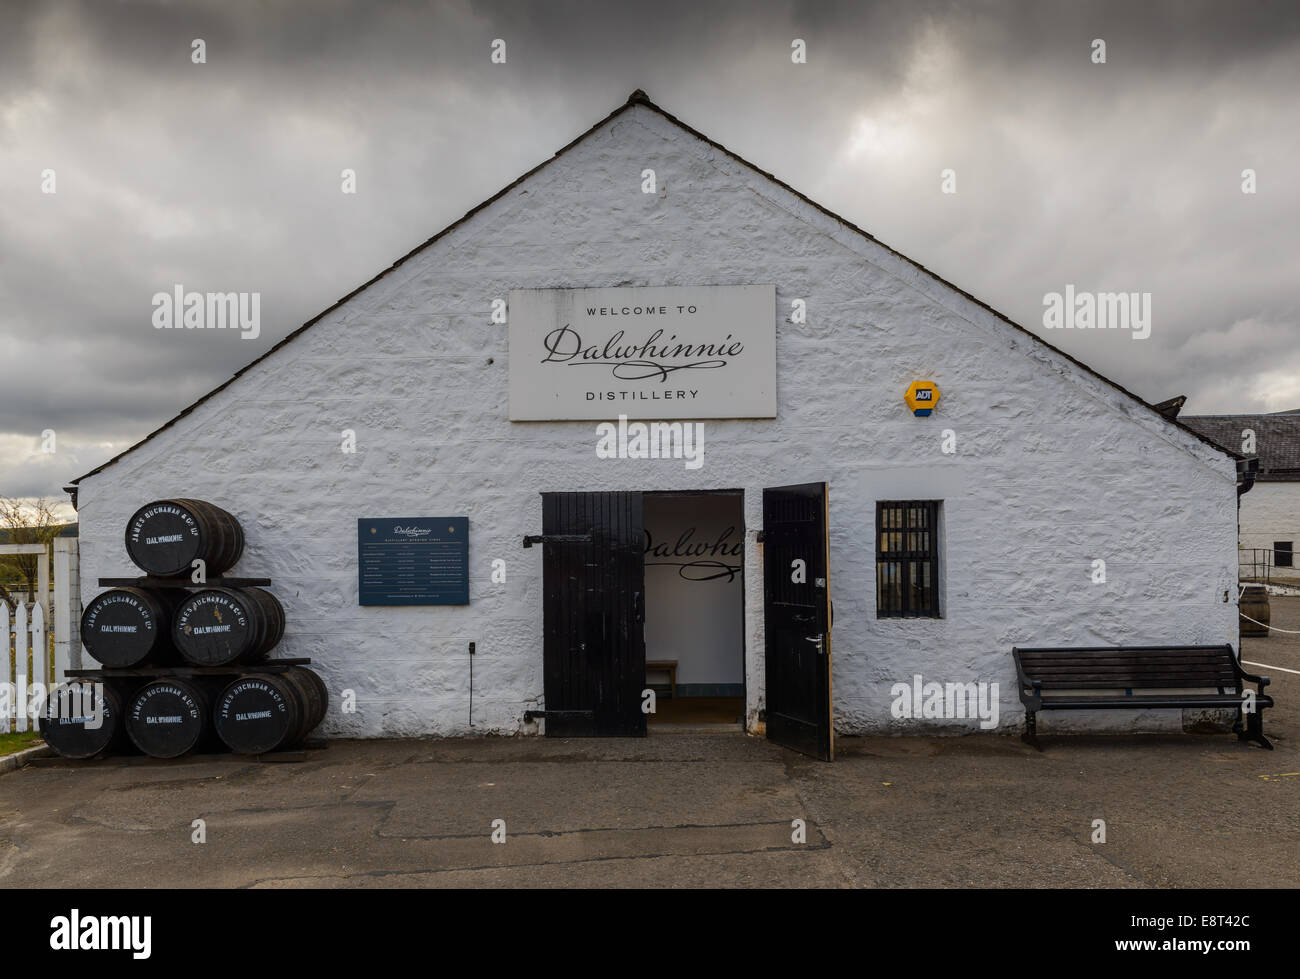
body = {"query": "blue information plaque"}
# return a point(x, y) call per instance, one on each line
point(413, 560)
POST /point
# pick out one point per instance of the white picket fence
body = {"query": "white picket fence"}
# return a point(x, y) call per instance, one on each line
point(31, 655)
point(32, 662)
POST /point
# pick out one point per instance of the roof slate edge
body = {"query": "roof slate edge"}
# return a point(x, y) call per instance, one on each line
point(639, 97)
point(1273, 420)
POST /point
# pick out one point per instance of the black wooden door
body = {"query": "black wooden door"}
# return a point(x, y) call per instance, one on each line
point(796, 619)
point(593, 595)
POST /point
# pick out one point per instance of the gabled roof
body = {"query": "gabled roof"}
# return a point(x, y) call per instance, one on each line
point(639, 97)
point(1277, 440)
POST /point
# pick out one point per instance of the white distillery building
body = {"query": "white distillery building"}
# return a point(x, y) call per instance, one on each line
point(1270, 509)
point(826, 544)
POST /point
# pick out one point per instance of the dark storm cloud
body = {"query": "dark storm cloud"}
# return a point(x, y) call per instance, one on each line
point(225, 176)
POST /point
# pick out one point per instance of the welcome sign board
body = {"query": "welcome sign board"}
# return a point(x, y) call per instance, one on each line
point(652, 352)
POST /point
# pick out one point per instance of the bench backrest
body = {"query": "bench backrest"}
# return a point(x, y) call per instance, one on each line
point(1146, 667)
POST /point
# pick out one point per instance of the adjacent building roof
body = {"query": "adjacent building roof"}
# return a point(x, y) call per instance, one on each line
point(1277, 440)
point(639, 97)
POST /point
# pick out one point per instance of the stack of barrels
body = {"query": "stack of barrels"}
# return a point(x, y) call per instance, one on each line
point(166, 626)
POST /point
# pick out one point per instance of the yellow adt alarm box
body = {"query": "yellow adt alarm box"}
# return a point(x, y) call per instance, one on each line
point(921, 397)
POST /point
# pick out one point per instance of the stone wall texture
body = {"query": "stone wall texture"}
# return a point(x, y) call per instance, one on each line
point(1053, 469)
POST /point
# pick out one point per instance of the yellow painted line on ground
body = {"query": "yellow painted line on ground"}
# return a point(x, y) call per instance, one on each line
point(1274, 778)
point(1267, 667)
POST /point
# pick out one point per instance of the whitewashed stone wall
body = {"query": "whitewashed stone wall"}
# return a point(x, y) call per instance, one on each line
point(1054, 468)
point(1271, 512)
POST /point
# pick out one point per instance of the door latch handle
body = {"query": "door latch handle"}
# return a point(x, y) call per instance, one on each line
point(817, 641)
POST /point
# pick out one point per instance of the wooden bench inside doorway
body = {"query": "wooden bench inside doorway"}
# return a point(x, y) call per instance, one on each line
point(668, 666)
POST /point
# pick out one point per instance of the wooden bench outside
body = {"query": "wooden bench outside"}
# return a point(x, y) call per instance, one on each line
point(668, 666)
point(1093, 674)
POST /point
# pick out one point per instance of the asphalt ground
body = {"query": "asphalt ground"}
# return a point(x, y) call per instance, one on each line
point(684, 810)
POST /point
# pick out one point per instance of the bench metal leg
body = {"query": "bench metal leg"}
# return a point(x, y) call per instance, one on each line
point(1030, 736)
point(1255, 729)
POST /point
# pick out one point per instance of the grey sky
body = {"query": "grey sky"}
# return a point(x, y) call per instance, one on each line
point(225, 176)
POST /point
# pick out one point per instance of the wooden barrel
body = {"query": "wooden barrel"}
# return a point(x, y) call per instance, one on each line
point(129, 626)
point(223, 626)
point(169, 717)
point(1254, 604)
point(69, 723)
point(316, 695)
point(166, 536)
point(261, 712)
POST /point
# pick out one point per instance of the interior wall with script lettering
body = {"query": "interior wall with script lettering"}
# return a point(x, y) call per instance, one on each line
point(694, 607)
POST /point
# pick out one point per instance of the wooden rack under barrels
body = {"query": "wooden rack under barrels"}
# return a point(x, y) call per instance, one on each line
point(234, 669)
point(151, 581)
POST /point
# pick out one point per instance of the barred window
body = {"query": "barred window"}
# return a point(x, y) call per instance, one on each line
point(907, 559)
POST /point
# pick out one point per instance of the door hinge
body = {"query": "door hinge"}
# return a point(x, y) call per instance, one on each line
point(557, 539)
point(533, 715)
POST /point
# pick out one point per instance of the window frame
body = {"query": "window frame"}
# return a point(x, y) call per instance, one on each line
point(1289, 551)
point(904, 560)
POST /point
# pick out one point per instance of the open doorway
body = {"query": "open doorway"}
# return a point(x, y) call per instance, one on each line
point(695, 609)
